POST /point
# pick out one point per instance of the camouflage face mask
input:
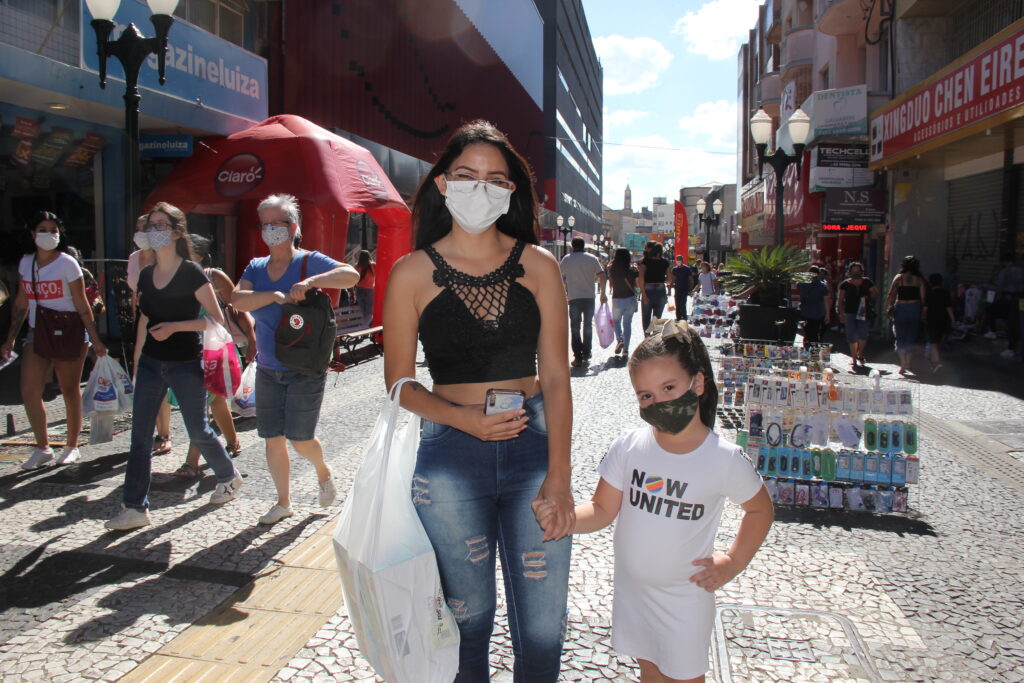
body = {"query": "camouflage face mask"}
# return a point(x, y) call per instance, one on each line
point(672, 416)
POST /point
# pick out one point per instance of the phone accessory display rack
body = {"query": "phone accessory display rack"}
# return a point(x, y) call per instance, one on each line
point(715, 318)
point(742, 358)
point(849, 444)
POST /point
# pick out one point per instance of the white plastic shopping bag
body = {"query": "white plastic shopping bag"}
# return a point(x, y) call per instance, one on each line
point(605, 331)
point(388, 569)
point(101, 391)
point(244, 401)
point(101, 428)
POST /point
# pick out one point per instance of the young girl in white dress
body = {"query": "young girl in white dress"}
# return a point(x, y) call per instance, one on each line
point(667, 485)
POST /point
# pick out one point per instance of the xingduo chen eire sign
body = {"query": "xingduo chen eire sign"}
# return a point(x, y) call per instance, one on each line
point(986, 83)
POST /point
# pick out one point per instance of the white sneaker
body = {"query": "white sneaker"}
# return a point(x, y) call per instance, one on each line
point(328, 490)
point(68, 455)
point(39, 457)
point(227, 490)
point(130, 518)
point(275, 514)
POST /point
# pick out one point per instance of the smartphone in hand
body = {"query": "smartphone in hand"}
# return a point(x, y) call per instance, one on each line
point(503, 400)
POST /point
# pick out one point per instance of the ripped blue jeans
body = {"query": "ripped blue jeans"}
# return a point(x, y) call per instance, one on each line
point(473, 498)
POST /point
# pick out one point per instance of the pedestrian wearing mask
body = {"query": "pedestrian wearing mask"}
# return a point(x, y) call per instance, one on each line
point(488, 306)
point(856, 296)
point(904, 306)
point(623, 278)
point(51, 295)
point(137, 260)
point(653, 270)
point(683, 277)
point(287, 402)
point(171, 292)
point(815, 307)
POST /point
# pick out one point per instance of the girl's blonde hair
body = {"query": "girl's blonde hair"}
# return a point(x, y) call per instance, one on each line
point(682, 342)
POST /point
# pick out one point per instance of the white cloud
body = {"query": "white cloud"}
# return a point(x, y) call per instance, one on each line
point(631, 65)
point(655, 167)
point(624, 117)
point(718, 28)
point(712, 124)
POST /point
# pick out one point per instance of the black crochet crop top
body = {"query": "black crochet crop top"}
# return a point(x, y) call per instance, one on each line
point(480, 329)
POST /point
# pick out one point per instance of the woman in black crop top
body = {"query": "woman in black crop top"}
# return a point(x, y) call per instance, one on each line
point(488, 305)
point(171, 291)
point(653, 296)
point(905, 306)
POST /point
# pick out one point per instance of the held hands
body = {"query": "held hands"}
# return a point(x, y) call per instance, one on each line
point(719, 570)
point(555, 509)
point(497, 427)
point(162, 331)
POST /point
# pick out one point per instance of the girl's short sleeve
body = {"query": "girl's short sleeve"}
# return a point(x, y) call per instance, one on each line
point(742, 482)
point(613, 465)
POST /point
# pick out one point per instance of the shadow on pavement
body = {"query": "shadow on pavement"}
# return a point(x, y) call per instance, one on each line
point(847, 520)
point(155, 595)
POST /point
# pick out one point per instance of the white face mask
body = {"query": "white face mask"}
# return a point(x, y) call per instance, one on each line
point(141, 240)
point(475, 205)
point(47, 240)
point(274, 235)
point(158, 239)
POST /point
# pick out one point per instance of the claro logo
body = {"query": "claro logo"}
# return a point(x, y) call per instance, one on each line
point(238, 175)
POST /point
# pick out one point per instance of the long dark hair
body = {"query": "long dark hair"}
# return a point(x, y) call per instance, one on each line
point(364, 264)
point(431, 219)
point(184, 245)
point(692, 356)
point(621, 263)
point(34, 221)
point(910, 266)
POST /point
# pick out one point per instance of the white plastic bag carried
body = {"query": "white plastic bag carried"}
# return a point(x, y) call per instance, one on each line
point(388, 569)
point(605, 330)
point(243, 403)
point(108, 392)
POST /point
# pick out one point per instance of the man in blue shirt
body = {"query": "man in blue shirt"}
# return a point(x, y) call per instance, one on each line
point(815, 307)
point(683, 282)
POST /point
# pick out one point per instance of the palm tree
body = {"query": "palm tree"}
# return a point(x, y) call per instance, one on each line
point(766, 274)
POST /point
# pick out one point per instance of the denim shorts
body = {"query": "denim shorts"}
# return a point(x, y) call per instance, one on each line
point(856, 330)
point(288, 404)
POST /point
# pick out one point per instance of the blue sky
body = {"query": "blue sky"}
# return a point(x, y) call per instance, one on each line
point(669, 92)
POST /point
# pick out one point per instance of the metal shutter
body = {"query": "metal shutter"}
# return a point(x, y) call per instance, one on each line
point(973, 227)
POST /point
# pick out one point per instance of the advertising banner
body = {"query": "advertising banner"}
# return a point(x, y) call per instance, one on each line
point(990, 83)
point(839, 165)
point(682, 229)
point(752, 207)
point(200, 67)
point(840, 111)
point(855, 206)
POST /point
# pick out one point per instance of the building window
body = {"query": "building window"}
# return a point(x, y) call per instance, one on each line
point(224, 18)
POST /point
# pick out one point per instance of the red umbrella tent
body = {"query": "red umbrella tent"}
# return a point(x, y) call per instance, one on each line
point(331, 176)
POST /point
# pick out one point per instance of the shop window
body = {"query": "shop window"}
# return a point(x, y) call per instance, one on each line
point(224, 18)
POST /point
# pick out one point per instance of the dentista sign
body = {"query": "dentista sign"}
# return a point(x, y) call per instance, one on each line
point(238, 175)
point(990, 83)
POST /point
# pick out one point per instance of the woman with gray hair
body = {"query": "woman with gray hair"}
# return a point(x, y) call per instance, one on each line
point(288, 402)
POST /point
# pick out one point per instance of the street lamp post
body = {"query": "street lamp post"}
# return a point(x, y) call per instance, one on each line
point(709, 219)
point(566, 231)
point(131, 49)
point(761, 131)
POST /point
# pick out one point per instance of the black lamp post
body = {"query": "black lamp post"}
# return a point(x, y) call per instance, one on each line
point(131, 49)
point(565, 227)
point(709, 219)
point(761, 131)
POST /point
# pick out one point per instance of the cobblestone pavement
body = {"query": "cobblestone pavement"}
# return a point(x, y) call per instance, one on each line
point(933, 595)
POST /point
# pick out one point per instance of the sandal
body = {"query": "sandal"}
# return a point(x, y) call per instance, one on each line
point(161, 444)
point(234, 449)
point(186, 471)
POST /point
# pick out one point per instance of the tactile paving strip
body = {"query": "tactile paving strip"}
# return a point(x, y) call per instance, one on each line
point(754, 643)
point(985, 452)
